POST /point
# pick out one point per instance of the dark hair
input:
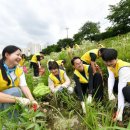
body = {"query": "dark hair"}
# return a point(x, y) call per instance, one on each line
point(74, 58)
point(101, 50)
point(64, 61)
point(53, 65)
point(8, 49)
point(109, 54)
point(41, 52)
point(23, 56)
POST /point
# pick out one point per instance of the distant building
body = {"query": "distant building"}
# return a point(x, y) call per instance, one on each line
point(33, 48)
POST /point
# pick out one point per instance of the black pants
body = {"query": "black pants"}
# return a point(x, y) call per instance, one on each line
point(97, 88)
point(35, 68)
point(125, 90)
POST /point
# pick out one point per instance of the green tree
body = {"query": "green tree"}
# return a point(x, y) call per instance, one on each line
point(62, 43)
point(89, 29)
point(86, 31)
point(120, 16)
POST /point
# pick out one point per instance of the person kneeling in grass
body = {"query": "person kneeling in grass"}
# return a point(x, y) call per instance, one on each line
point(12, 80)
point(90, 58)
point(84, 79)
point(118, 80)
point(58, 78)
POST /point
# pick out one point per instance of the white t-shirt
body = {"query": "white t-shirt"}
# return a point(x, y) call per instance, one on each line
point(22, 79)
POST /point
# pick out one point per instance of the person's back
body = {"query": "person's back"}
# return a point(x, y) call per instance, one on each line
point(88, 56)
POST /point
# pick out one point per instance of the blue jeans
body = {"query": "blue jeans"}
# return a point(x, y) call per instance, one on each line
point(15, 91)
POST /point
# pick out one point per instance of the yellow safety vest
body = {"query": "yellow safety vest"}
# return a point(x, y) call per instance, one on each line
point(21, 63)
point(57, 81)
point(34, 58)
point(86, 57)
point(77, 46)
point(120, 64)
point(4, 86)
point(59, 62)
point(81, 78)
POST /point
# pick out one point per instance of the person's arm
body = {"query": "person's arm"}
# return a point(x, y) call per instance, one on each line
point(93, 59)
point(90, 80)
point(24, 88)
point(6, 98)
point(111, 81)
point(78, 88)
point(67, 81)
point(89, 99)
point(124, 77)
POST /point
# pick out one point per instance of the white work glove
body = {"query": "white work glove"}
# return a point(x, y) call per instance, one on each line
point(58, 88)
point(83, 107)
point(64, 86)
point(111, 96)
point(89, 99)
point(118, 116)
point(70, 90)
point(22, 101)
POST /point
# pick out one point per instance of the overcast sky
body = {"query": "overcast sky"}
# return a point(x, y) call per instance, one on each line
point(44, 21)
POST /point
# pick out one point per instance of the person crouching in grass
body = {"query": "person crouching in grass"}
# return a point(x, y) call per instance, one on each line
point(58, 78)
point(118, 80)
point(12, 80)
point(85, 80)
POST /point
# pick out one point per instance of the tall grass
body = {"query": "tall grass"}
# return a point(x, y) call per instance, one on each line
point(64, 110)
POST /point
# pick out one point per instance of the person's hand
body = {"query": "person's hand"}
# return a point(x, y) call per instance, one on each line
point(83, 107)
point(60, 89)
point(35, 102)
point(111, 96)
point(57, 89)
point(97, 67)
point(64, 86)
point(22, 101)
point(118, 116)
point(89, 99)
point(70, 90)
point(34, 105)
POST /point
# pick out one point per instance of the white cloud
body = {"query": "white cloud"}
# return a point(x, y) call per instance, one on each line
point(24, 21)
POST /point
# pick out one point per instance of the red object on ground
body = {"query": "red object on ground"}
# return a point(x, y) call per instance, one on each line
point(34, 107)
point(41, 71)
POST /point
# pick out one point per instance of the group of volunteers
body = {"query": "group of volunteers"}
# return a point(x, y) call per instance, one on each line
point(88, 78)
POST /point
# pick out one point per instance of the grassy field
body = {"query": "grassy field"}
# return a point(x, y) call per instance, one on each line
point(64, 111)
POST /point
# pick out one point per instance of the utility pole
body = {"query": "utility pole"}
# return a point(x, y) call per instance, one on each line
point(67, 31)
